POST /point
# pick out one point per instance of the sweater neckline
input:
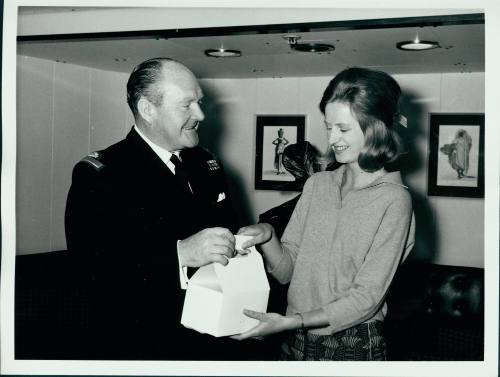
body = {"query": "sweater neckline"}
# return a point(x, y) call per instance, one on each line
point(393, 178)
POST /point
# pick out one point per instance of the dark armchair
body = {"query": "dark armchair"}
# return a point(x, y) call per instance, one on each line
point(436, 312)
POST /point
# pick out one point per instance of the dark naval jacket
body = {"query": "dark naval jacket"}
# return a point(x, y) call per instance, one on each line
point(125, 213)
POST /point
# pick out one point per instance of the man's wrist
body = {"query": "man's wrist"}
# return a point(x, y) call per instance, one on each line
point(180, 254)
point(182, 269)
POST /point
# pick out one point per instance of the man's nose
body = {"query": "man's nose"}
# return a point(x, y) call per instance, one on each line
point(198, 113)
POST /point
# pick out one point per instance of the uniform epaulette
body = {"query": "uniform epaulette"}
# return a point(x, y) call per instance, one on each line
point(206, 151)
point(93, 160)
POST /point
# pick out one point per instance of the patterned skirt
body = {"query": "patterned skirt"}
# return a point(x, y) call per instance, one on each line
point(362, 342)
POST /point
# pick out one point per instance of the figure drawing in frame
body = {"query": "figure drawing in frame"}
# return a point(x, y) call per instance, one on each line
point(458, 158)
point(273, 134)
point(280, 143)
point(458, 153)
point(272, 153)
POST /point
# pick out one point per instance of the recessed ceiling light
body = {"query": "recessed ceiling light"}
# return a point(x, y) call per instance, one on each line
point(306, 46)
point(222, 53)
point(312, 47)
point(417, 45)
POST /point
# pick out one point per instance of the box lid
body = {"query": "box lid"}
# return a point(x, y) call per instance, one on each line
point(243, 272)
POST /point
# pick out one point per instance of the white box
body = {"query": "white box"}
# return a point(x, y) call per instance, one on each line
point(217, 294)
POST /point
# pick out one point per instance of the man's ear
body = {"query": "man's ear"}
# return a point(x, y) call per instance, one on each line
point(146, 110)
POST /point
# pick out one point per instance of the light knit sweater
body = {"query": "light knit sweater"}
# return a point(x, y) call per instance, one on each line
point(340, 254)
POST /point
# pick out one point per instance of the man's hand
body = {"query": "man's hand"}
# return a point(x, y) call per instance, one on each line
point(270, 323)
point(207, 246)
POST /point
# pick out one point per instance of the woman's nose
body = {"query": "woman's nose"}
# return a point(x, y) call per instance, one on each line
point(334, 136)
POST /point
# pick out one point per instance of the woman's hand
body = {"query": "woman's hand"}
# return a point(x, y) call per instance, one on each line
point(261, 234)
point(270, 323)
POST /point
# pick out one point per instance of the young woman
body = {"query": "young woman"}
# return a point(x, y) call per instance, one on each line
point(350, 230)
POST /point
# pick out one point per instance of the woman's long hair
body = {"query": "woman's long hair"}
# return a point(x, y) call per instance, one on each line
point(373, 97)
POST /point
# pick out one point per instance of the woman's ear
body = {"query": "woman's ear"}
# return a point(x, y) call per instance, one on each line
point(146, 110)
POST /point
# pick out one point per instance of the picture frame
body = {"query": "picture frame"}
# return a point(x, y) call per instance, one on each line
point(456, 155)
point(269, 171)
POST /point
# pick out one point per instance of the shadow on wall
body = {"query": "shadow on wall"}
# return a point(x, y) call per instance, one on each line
point(212, 137)
point(410, 163)
point(211, 134)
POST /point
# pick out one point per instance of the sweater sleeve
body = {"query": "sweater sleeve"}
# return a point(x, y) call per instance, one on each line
point(292, 236)
point(370, 285)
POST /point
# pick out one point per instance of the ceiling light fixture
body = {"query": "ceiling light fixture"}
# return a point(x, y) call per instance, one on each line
point(306, 47)
point(417, 45)
point(313, 47)
point(222, 53)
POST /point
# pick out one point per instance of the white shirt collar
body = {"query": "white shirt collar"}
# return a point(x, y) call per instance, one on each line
point(162, 153)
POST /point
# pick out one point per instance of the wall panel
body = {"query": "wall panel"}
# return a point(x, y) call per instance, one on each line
point(462, 92)
point(71, 138)
point(108, 109)
point(460, 221)
point(229, 131)
point(310, 93)
point(34, 154)
point(460, 225)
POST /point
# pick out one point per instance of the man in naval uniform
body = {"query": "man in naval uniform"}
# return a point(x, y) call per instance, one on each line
point(140, 213)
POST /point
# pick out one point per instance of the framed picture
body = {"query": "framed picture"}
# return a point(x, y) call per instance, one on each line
point(456, 155)
point(274, 133)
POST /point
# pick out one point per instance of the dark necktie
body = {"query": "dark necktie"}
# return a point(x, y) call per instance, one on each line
point(180, 172)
